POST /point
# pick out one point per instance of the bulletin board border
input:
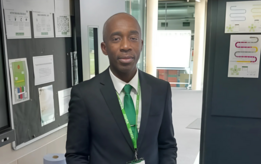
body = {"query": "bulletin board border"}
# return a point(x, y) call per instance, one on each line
point(7, 72)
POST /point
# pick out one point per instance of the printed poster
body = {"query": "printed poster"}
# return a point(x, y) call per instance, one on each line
point(244, 56)
point(243, 17)
point(43, 69)
point(62, 18)
point(18, 25)
point(62, 25)
point(64, 97)
point(19, 80)
point(43, 25)
point(46, 105)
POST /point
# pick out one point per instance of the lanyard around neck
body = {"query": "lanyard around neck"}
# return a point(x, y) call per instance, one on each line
point(133, 138)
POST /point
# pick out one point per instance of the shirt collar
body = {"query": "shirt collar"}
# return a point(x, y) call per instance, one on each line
point(119, 84)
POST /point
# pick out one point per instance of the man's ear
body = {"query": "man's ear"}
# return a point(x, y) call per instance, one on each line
point(103, 47)
point(142, 44)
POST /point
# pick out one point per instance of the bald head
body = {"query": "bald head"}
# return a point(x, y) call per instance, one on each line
point(108, 25)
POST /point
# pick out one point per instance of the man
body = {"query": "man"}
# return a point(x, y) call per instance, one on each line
point(123, 114)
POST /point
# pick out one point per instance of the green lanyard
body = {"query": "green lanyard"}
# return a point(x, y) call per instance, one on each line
point(133, 138)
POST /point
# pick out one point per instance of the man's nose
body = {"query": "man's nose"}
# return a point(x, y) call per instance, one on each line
point(125, 45)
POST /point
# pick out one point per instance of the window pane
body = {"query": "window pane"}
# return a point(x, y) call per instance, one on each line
point(91, 52)
point(137, 9)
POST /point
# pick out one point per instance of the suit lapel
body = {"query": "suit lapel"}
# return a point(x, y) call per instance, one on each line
point(110, 96)
point(146, 101)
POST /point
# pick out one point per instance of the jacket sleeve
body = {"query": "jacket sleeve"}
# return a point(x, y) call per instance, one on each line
point(166, 142)
point(78, 133)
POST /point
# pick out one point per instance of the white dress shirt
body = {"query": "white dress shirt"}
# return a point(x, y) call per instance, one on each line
point(119, 85)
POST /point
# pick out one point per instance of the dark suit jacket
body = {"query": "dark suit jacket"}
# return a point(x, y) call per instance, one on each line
point(97, 133)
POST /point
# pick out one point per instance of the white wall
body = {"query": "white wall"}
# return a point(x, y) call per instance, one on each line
point(95, 13)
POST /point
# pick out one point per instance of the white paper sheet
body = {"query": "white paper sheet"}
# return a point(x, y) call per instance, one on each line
point(175, 50)
point(43, 25)
point(30, 5)
point(46, 104)
point(43, 69)
point(243, 17)
point(17, 24)
point(19, 80)
point(64, 97)
point(244, 56)
point(62, 25)
point(62, 7)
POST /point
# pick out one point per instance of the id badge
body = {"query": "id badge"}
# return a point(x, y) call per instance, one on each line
point(139, 161)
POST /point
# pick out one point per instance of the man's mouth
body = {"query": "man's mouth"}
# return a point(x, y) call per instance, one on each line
point(126, 60)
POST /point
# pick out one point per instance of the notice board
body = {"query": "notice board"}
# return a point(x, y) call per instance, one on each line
point(26, 116)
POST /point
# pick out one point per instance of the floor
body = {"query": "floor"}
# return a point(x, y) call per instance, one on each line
point(187, 107)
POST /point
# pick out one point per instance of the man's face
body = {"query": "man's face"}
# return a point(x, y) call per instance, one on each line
point(122, 43)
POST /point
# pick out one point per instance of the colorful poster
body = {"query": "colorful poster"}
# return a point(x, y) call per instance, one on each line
point(18, 73)
point(43, 25)
point(19, 80)
point(244, 56)
point(46, 105)
point(17, 24)
point(243, 17)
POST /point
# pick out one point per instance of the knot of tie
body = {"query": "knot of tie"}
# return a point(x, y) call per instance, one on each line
point(127, 89)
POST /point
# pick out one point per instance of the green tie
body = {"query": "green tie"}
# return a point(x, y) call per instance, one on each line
point(129, 109)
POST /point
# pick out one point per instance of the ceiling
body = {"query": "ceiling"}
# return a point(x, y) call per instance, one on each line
point(176, 11)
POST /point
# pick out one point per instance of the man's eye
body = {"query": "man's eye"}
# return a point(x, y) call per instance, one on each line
point(116, 39)
point(134, 39)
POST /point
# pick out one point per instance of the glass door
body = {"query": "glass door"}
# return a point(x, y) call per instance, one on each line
point(93, 51)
